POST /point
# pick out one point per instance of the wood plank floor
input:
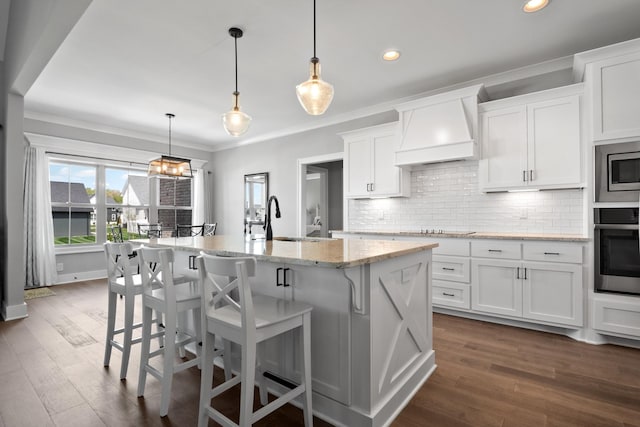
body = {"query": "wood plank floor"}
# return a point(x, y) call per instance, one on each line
point(51, 373)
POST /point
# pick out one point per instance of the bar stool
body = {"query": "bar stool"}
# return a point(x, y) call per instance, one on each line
point(162, 294)
point(122, 280)
point(246, 322)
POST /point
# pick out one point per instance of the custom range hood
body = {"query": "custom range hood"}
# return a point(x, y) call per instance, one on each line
point(440, 128)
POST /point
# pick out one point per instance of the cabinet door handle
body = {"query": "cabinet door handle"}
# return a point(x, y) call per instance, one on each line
point(495, 250)
point(518, 273)
point(372, 186)
point(531, 175)
point(448, 269)
point(525, 273)
point(552, 253)
point(524, 176)
point(285, 278)
point(278, 270)
point(448, 295)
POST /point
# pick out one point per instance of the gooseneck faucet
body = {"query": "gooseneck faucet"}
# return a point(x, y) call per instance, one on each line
point(267, 225)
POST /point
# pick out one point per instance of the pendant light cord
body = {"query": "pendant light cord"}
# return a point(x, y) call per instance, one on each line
point(170, 116)
point(314, 29)
point(235, 40)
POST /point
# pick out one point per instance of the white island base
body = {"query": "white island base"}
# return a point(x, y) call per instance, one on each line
point(371, 336)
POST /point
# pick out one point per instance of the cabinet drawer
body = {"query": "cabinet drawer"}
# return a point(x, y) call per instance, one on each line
point(450, 294)
point(451, 268)
point(496, 249)
point(617, 317)
point(446, 245)
point(552, 251)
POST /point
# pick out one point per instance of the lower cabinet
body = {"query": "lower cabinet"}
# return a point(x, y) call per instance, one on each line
point(546, 292)
point(617, 315)
point(330, 320)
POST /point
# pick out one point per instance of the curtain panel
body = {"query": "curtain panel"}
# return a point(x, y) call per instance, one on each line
point(40, 258)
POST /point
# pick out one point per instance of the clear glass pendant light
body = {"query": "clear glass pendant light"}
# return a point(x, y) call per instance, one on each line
point(315, 95)
point(236, 122)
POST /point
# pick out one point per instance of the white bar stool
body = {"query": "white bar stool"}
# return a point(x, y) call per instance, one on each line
point(123, 280)
point(162, 294)
point(247, 322)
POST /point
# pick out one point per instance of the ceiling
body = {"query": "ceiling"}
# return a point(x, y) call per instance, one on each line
point(127, 63)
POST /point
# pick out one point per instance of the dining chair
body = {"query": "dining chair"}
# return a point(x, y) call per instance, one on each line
point(209, 229)
point(247, 321)
point(189, 230)
point(116, 234)
point(123, 280)
point(162, 294)
point(150, 231)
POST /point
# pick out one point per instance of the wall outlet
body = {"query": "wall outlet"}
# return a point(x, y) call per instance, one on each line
point(59, 266)
point(524, 213)
point(381, 217)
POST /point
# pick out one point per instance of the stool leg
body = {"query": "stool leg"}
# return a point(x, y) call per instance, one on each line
point(145, 349)
point(306, 348)
point(247, 376)
point(129, 304)
point(182, 316)
point(262, 384)
point(111, 325)
point(226, 357)
point(199, 335)
point(206, 377)
point(160, 328)
point(168, 363)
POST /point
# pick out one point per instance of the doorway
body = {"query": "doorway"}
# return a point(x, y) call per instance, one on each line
point(320, 195)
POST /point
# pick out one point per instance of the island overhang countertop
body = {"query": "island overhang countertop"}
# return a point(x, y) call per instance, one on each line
point(332, 253)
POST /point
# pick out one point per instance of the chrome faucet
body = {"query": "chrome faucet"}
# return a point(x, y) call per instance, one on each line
point(267, 225)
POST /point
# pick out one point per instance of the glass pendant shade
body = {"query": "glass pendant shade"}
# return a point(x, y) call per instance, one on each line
point(315, 95)
point(236, 122)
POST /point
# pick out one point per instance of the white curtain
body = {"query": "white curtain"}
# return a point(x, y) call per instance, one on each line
point(201, 198)
point(40, 259)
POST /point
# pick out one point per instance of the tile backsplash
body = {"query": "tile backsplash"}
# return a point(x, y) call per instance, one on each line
point(446, 196)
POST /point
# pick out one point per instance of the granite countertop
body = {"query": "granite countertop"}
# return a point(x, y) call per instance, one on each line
point(477, 235)
point(333, 253)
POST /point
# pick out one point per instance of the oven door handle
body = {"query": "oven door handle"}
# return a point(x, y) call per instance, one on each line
point(616, 226)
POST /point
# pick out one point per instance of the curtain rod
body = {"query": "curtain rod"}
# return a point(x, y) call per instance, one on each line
point(96, 158)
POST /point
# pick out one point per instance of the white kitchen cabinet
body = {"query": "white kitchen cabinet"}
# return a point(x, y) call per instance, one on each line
point(540, 291)
point(532, 141)
point(330, 319)
point(369, 163)
point(616, 97)
point(617, 315)
point(496, 287)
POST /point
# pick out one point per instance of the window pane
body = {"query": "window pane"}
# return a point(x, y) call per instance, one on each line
point(180, 187)
point(167, 218)
point(127, 187)
point(72, 187)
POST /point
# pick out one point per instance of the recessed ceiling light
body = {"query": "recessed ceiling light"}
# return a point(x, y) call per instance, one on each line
point(391, 55)
point(534, 5)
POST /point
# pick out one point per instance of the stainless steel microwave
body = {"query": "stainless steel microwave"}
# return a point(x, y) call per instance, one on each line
point(617, 168)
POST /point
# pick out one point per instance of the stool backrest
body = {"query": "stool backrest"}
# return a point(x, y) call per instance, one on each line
point(156, 269)
point(221, 275)
point(118, 263)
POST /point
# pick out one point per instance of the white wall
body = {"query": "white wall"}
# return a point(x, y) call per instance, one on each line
point(279, 158)
point(446, 196)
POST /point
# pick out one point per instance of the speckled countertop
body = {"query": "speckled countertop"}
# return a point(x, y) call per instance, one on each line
point(333, 253)
point(478, 235)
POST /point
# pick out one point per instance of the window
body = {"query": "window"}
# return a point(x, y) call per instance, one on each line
point(89, 198)
point(74, 216)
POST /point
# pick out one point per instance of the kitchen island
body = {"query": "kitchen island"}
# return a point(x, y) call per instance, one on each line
point(371, 326)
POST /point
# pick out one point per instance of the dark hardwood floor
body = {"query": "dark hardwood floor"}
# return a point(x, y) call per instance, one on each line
point(51, 373)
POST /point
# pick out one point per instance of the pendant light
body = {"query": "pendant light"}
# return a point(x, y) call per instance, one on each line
point(315, 94)
point(176, 167)
point(235, 121)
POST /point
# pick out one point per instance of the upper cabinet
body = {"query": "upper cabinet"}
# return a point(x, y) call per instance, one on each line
point(532, 141)
point(439, 128)
point(369, 163)
point(613, 75)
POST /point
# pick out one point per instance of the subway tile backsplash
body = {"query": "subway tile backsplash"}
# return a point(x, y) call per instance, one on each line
point(446, 196)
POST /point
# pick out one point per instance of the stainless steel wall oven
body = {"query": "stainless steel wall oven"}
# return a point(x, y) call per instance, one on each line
point(617, 250)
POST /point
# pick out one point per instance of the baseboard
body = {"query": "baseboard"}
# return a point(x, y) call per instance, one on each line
point(81, 275)
point(14, 312)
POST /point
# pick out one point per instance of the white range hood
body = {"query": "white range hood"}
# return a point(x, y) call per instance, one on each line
point(440, 128)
